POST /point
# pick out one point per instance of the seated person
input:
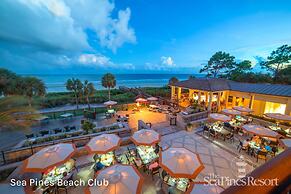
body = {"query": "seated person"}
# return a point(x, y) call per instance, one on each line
point(263, 149)
point(268, 148)
point(246, 143)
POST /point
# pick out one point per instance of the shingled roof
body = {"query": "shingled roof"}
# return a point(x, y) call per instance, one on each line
point(218, 84)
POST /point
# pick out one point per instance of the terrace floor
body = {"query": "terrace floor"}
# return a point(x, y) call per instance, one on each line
point(217, 160)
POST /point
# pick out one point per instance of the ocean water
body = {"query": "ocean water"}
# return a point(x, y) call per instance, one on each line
point(56, 83)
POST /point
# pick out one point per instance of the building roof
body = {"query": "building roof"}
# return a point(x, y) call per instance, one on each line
point(218, 84)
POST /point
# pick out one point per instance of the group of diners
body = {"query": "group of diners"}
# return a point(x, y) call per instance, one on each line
point(259, 147)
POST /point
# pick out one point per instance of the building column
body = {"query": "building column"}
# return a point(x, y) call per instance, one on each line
point(218, 101)
point(191, 92)
point(179, 93)
point(199, 97)
point(209, 101)
point(252, 101)
point(173, 94)
point(288, 107)
point(226, 98)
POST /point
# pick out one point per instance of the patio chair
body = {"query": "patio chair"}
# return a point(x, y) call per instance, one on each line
point(155, 171)
point(229, 137)
point(73, 128)
point(212, 133)
point(261, 155)
point(28, 136)
point(205, 130)
point(67, 129)
point(43, 133)
point(57, 130)
point(274, 151)
point(240, 147)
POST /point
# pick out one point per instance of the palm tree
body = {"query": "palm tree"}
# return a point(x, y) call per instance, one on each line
point(75, 85)
point(108, 81)
point(88, 90)
point(14, 114)
point(173, 80)
point(32, 86)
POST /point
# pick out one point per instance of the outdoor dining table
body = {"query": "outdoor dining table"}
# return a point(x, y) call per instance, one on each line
point(66, 115)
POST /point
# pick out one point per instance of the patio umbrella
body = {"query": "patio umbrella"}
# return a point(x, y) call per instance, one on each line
point(204, 188)
point(103, 144)
point(219, 117)
point(145, 137)
point(181, 163)
point(260, 130)
point(279, 116)
point(122, 179)
point(286, 143)
point(242, 109)
point(141, 100)
point(110, 103)
point(49, 157)
point(231, 112)
point(152, 99)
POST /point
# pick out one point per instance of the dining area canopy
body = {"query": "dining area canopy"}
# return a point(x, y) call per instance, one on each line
point(260, 131)
point(146, 137)
point(103, 143)
point(122, 179)
point(219, 117)
point(181, 163)
point(49, 157)
point(279, 116)
point(242, 109)
point(231, 112)
point(110, 103)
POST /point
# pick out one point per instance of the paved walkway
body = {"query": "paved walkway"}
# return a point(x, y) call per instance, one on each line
point(69, 107)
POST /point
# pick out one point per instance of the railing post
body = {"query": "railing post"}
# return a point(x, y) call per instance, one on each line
point(31, 150)
point(3, 156)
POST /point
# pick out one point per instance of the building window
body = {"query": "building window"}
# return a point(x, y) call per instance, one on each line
point(230, 99)
point(272, 107)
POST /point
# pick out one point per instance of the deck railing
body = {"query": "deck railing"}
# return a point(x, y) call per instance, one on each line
point(19, 154)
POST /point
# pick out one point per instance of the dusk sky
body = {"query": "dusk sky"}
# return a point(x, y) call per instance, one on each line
point(136, 36)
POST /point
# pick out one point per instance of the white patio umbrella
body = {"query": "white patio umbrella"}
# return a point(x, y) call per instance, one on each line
point(279, 116)
point(110, 103)
point(122, 179)
point(204, 188)
point(103, 144)
point(146, 137)
point(260, 131)
point(231, 112)
point(219, 117)
point(49, 157)
point(181, 163)
point(152, 99)
point(141, 100)
point(242, 109)
point(286, 143)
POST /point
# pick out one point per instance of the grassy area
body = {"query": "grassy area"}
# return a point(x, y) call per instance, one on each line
point(154, 91)
point(62, 98)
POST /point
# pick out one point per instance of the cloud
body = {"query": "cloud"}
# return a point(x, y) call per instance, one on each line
point(52, 33)
point(166, 63)
point(93, 59)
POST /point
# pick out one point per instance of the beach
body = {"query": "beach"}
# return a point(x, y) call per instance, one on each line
point(56, 82)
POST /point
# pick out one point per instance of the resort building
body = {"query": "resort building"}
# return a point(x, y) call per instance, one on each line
point(216, 94)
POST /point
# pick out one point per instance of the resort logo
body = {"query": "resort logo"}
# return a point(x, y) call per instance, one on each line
point(240, 166)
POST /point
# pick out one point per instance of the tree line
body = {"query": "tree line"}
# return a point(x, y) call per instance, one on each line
point(87, 89)
point(277, 65)
point(12, 84)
